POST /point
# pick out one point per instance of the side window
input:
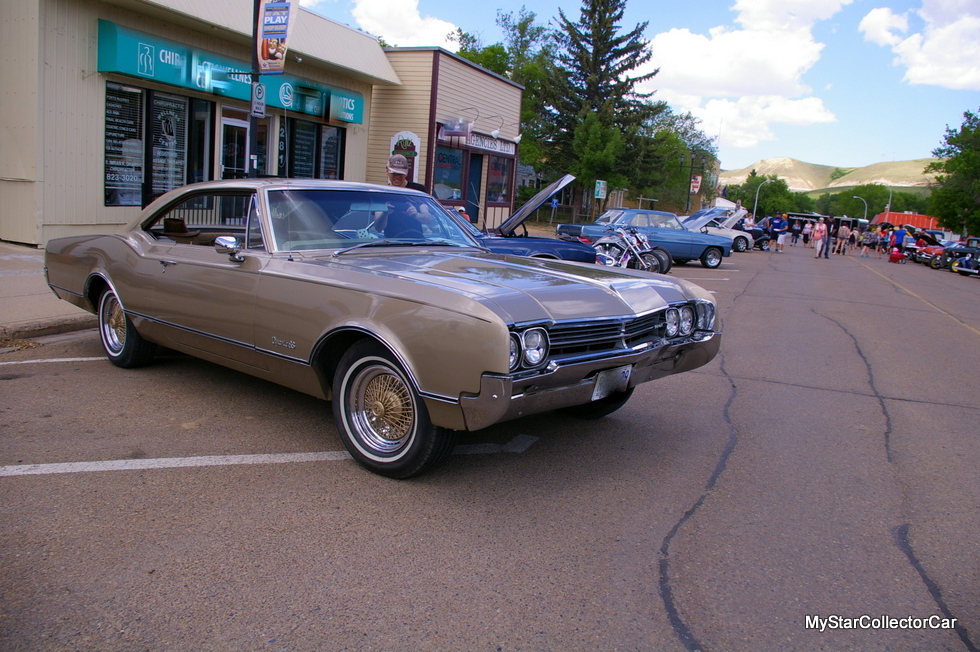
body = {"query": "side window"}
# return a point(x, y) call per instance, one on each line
point(640, 219)
point(254, 228)
point(202, 218)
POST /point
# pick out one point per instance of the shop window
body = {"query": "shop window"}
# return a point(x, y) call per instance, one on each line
point(498, 180)
point(308, 150)
point(448, 174)
point(154, 142)
point(123, 145)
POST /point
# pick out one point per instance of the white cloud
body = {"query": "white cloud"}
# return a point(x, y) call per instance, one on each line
point(399, 23)
point(740, 82)
point(880, 25)
point(945, 53)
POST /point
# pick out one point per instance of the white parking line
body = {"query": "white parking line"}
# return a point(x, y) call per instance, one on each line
point(518, 444)
point(54, 360)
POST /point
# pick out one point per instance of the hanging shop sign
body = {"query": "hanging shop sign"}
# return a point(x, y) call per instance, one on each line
point(128, 52)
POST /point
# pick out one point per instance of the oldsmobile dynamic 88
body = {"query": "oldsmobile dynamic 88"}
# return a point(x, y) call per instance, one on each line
point(378, 300)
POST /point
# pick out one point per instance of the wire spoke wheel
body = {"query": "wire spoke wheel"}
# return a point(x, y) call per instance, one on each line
point(380, 417)
point(382, 408)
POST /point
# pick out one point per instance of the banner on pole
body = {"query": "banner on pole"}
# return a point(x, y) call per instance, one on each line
point(276, 18)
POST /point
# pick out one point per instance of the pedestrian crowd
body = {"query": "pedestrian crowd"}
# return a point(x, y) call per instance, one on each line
point(826, 237)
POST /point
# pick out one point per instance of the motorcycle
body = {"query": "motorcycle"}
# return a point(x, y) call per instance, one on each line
point(629, 248)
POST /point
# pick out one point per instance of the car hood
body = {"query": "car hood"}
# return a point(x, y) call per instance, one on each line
point(519, 289)
point(517, 217)
point(696, 220)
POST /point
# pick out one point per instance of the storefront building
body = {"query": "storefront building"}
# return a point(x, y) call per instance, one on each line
point(459, 126)
point(119, 101)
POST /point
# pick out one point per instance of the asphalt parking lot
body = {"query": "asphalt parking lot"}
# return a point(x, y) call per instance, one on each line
point(822, 469)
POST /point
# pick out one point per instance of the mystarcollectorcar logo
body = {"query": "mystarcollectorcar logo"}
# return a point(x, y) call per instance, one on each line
point(866, 621)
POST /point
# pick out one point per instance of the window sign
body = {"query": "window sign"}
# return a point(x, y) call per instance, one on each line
point(168, 134)
point(123, 145)
point(331, 150)
point(302, 150)
point(498, 179)
point(448, 174)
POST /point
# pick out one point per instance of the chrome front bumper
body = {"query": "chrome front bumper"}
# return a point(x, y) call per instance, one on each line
point(502, 398)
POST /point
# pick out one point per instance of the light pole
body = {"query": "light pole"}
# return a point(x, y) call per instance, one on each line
point(865, 207)
point(756, 204)
point(690, 175)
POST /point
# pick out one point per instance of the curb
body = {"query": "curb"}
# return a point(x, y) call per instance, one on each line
point(49, 327)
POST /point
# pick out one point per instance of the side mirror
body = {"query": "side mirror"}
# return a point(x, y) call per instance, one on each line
point(228, 244)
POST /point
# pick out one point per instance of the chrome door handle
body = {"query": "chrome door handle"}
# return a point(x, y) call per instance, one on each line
point(167, 263)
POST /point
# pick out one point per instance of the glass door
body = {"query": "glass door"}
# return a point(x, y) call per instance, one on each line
point(234, 148)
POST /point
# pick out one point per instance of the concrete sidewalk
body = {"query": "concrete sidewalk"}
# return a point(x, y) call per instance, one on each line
point(28, 307)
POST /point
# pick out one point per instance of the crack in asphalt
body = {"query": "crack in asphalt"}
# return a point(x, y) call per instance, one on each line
point(681, 629)
point(900, 533)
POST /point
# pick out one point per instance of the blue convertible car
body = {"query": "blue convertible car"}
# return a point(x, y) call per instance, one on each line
point(662, 228)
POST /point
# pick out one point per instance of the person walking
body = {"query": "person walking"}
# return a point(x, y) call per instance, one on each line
point(843, 232)
point(821, 239)
point(807, 230)
point(796, 231)
point(777, 229)
point(868, 242)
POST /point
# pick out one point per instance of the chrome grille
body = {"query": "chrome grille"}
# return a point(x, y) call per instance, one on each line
point(570, 339)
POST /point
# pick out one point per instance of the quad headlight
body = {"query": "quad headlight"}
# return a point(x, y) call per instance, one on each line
point(673, 322)
point(528, 348)
point(535, 342)
point(684, 320)
point(686, 326)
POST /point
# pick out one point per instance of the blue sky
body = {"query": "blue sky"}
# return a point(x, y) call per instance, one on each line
point(845, 83)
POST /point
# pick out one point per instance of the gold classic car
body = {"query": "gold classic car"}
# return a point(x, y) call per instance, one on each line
point(378, 300)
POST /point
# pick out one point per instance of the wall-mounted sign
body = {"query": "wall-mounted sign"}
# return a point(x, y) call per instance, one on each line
point(128, 52)
point(491, 144)
point(408, 144)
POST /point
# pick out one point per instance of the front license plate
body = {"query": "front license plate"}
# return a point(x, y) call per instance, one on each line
point(611, 381)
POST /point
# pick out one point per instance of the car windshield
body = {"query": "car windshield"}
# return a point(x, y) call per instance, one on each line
point(306, 219)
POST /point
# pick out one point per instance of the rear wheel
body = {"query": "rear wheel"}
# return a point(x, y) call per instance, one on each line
point(122, 344)
point(600, 408)
point(380, 417)
point(762, 243)
point(711, 258)
point(666, 262)
point(740, 244)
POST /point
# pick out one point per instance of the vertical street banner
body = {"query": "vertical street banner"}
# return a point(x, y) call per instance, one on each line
point(695, 184)
point(276, 18)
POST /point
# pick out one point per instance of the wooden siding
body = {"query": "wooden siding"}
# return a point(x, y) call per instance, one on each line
point(462, 86)
point(401, 108)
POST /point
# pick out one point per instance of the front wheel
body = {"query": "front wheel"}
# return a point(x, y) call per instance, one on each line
point(648, 261)
point(740, 244)
point(935, 262)
point(600, 408)
point(380, 417)
point(711, 258)
point(122, 344)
